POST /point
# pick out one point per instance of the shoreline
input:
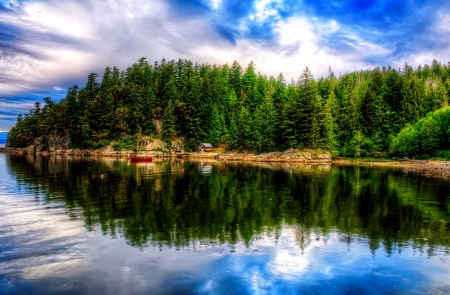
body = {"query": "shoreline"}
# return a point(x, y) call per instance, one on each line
point(430, 168)
point(294, 156)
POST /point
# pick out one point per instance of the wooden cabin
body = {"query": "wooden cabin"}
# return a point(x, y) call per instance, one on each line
point(205, 147)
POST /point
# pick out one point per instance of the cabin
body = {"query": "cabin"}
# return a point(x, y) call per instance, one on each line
point(205, 147)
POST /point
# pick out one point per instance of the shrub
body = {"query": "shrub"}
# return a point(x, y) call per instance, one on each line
point(443, 154)
point(430, 135)
point(101, 143)
point(408, 142)
point(125, 144)
point(425, 137)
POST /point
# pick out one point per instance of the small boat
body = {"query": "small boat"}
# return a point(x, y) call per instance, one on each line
point(141, 158)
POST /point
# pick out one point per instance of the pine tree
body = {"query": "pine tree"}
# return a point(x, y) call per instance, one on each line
point(412, 100)
point(249, 86)
point(356, 114)
point(266, 130)
point(309, 111)
point(149, 105)
point(215, 127)
point(193, 123)
point(136, 114)
point(291, 114)
point(233, 135)
point(349, 117)
point(74, 116)
point(235, 77)
point(330, 126)
point(168, 123)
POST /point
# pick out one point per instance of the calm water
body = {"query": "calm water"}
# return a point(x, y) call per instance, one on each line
point(84, 226)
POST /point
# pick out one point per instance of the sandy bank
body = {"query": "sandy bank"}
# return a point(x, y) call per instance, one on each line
point(286, 157)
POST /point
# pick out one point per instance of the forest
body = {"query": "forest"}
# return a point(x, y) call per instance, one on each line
point(381, 111)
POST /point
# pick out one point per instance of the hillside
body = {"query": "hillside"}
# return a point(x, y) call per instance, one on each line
point(356, 114)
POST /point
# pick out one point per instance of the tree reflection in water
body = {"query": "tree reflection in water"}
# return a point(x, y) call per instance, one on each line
point(181, 203)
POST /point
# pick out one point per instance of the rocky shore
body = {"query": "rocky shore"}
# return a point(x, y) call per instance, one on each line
point(296, 156)
point(436, 169)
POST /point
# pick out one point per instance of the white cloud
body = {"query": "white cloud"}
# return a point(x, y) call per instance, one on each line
point(264, 11)
point(215, 4)
point(62, 42)
point(88, 36)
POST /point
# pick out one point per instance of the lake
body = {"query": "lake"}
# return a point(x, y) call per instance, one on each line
point(105, 226)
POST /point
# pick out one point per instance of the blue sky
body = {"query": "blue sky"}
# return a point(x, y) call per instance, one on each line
point(48, 45)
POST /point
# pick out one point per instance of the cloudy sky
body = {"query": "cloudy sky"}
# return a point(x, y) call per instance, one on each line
point(48, 45)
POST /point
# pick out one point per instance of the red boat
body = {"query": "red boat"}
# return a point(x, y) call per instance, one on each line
point(142, 158)
point(140, 144)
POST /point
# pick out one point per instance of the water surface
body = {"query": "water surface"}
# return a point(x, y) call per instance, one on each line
point(87, 226)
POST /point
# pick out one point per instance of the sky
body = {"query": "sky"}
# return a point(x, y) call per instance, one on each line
point(47, 46)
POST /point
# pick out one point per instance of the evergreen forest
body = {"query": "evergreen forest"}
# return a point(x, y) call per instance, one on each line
point(374, 112)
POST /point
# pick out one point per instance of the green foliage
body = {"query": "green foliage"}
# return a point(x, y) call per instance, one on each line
point(406, 143)
point(215, 128)
point(425, 137)
point(265, 123)
point(101, 143)
point(168, 127)
point(233, 135)
point(430, 135)
point(443, 154)
point(357, 114)
point(126, 144)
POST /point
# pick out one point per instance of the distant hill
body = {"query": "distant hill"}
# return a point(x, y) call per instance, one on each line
point(3, 136)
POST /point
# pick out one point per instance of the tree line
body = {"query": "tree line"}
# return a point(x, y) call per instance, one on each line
point(355, 114)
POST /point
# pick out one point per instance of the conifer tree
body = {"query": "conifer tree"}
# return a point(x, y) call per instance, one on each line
point(235, 77)
point(246, 129)
point(310, 109)
point(136, 114)
point(291, 114)
point(265, 117)
point(233, 135)
point(349, 117)
point(168, 123)
point(215, 128)
point(357, 114)
point(412, 100)
point(331, 109)
point(149, 105)
point(74, 116)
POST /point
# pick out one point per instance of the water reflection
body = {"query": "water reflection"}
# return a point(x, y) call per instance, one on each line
point(212, 227)
point(174, 203)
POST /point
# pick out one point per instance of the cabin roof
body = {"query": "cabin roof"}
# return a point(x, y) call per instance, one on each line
point(205, 144)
